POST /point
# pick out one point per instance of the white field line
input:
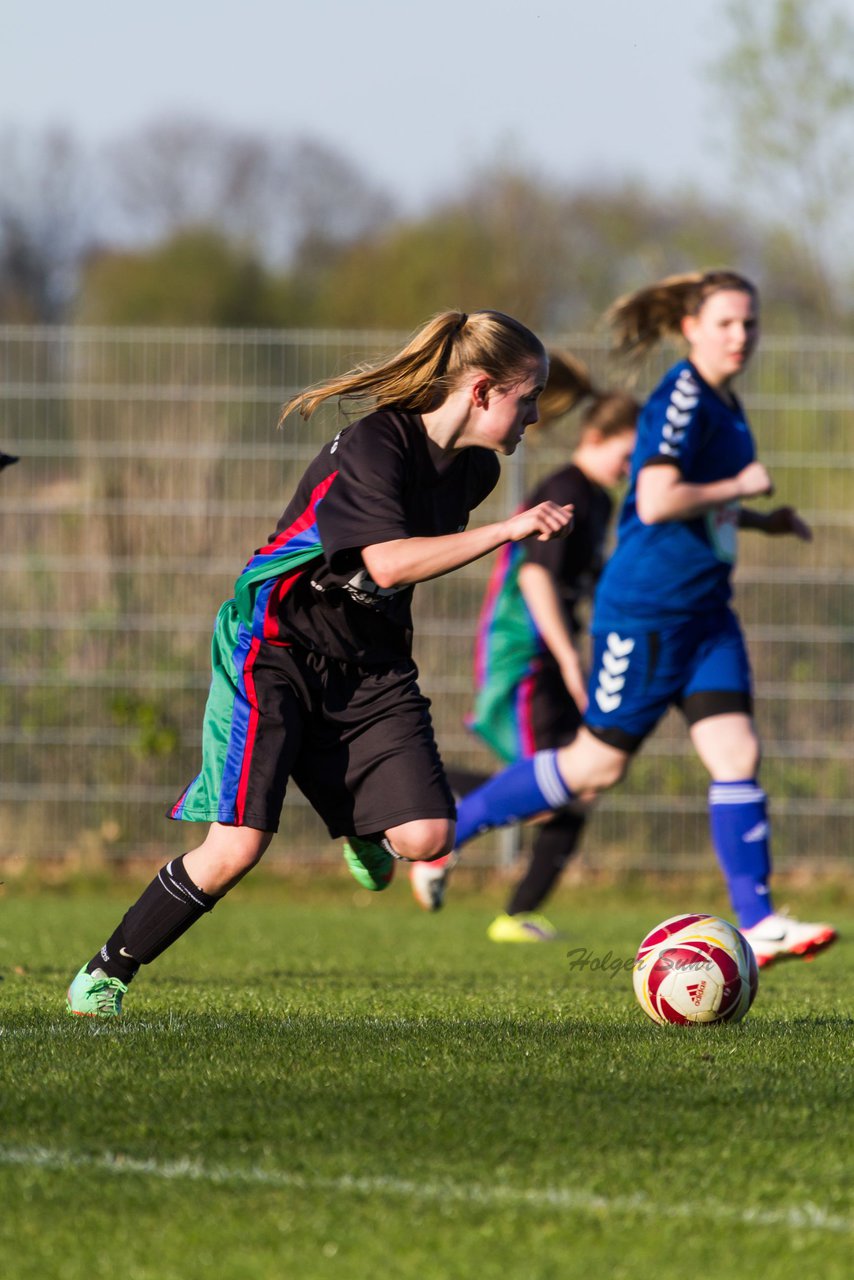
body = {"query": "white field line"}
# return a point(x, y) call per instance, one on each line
point(805, 1217)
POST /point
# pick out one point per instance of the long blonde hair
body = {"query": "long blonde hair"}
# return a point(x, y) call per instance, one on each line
point(610, 413)
point(640, 320)
point(430, 366)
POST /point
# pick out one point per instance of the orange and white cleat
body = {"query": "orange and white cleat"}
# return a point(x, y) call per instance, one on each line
point(779, 937)
point(429, 880)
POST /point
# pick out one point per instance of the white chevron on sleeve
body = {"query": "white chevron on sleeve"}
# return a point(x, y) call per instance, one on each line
point(611, 684)
point(618, 646)
point(613, 665)
point(683, 399)
point(607, 703)
point(678, 419)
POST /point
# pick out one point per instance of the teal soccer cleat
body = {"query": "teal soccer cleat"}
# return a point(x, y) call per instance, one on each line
point(371, 865)
point(94, 995)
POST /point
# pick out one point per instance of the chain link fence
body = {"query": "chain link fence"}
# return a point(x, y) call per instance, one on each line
point(151, 467)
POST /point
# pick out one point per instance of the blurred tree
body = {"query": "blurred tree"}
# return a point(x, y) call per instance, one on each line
point(553, 256)
point(272, 193)
point(394, 279)
point(46, 218)
point(227, 228)
point(787, 84)
point(196, 277)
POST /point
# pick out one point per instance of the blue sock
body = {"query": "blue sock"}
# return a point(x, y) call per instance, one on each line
point(531, 786)
point(738, 815)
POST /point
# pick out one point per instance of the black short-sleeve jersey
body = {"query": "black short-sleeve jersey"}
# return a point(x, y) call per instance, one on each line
point(375, 482)
point(574, 562)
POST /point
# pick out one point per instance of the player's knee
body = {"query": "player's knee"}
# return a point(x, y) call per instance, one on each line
point(247, 846)
point(226, 855)
point(592, 770)
point(744, 761)
point(736, 760)
point(610, 772)
point(423, 840)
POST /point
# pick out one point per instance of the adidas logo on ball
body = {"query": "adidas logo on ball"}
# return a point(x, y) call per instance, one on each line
point(666, 966)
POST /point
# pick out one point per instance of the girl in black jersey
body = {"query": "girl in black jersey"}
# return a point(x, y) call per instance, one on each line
point(530, 687)
point(312, 670)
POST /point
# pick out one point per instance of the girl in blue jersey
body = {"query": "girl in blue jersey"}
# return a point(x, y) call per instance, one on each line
point(664, 634)
point(531, 689)
point(313, 677)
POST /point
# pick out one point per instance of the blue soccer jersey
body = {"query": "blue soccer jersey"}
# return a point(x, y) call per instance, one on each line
point(664, 573)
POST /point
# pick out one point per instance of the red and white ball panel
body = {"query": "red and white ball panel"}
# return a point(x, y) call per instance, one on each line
point(695, 969)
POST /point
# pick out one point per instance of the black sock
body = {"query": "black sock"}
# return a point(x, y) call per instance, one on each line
point(164, 911)
point(554, 845)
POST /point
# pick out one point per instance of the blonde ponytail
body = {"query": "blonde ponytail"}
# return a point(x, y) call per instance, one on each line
point(431, 365)
point(609, 413)
point(568, 383)
point(642, 319)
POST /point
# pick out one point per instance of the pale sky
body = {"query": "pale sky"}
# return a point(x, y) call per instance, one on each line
point(416, 95)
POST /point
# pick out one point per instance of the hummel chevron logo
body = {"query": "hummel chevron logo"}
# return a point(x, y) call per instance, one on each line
point(607, 702)
point(682, 398)
point(611, 684)
point(615, 662)
point(678, 419)
point(619, 647)
point(614, 666)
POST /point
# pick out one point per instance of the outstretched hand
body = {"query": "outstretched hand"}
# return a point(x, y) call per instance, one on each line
point(545, 521)
point(754, 481)
point(786, 520)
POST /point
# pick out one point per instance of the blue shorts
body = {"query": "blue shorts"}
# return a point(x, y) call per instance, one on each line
point(700, 666)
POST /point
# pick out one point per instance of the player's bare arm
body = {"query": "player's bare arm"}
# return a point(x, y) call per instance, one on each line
point(404, 561)
point(544, 603)
point(663, 495)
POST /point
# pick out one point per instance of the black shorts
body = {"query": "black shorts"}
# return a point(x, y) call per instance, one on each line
point(517, 716)
point(553, 719)
point(358, 741)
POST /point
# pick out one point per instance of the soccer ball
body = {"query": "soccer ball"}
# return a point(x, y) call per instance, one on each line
point(695, 969)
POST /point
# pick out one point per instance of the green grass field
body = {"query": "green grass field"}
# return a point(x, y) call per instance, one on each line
point(321, 1082)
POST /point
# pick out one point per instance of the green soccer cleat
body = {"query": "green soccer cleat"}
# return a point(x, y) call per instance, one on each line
point(371, 865)
point(94, 995)
point(525, 927)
